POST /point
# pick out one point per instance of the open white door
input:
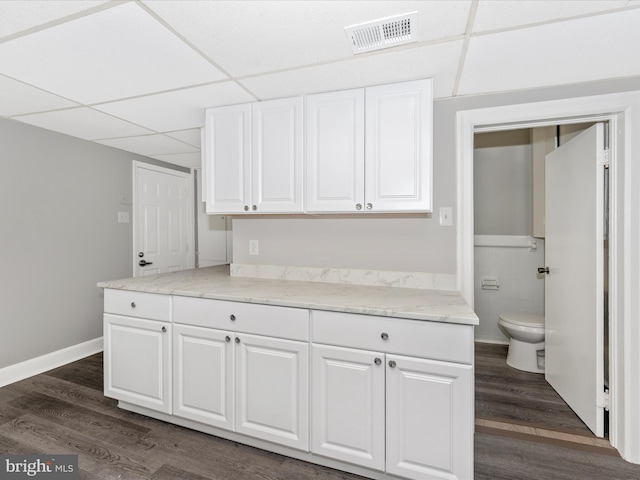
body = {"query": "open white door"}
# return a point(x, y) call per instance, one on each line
point(574, 289)
point(163, 220)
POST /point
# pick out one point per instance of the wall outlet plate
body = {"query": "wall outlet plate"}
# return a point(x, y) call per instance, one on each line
point(253, 247)
point(123, 217)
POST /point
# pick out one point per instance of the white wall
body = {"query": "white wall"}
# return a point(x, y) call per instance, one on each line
point(502, 191)
point(59, 236)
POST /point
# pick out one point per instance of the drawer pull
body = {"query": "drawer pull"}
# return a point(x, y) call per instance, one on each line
point(227, 338)
point(232, 317)
point(164, 329)
point(237, 339)
point(392, 363)
point(377, 361)
point(133, 304)
point(384, 336)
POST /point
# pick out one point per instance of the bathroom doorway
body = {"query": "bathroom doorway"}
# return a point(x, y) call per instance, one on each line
point(509, 243)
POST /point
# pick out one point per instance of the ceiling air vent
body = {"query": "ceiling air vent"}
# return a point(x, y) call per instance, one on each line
point(383, 33)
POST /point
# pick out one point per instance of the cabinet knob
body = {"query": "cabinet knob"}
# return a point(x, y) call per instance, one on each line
point(392, 363)
point(232, 317)
point(384, 336)
point(133, 304)
point(254, 208)
point(377, 361)
point(227, 338)
point(358, 206)
point(246, 208)
point(369, 206)
point(164, 329)
point(237, 339)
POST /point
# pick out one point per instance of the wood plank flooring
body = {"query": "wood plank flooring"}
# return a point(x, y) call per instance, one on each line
point(64, 411)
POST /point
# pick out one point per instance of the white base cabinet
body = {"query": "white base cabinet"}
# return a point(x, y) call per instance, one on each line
point(377, 396)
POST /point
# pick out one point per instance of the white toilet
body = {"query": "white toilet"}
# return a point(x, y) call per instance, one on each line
point(526, 344)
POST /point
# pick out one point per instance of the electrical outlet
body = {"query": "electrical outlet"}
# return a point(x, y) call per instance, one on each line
point(123, 217)
point(446, 217)
point(253, 247)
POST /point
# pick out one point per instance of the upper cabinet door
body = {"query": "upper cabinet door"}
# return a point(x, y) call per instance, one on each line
point(277, 156)
point(227, 159)
point(398, 147)
point(335, 151)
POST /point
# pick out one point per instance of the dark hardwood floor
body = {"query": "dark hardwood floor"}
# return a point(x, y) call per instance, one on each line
point(64, 411)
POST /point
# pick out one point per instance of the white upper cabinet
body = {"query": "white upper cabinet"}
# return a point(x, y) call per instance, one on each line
point(227, 166)
point(398, 147)
point(277, 156)
point(335, 151)
point(367, 150)
point(370, 149)
point(254, 157)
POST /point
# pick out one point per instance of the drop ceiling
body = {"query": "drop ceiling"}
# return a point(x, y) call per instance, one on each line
point(137, 75)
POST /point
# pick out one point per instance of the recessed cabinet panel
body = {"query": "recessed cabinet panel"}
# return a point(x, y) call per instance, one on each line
point(203, 375)
point(137, 361)
point(227, 160)
point(398, 146)
point(277, 133)
point(429, 419)
point(272, 390)
point(348, 405)
point(335, 151)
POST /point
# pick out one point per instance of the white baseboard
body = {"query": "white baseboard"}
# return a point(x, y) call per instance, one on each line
point(35, 366)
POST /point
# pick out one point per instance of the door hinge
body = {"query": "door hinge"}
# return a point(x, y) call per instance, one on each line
point(605, 158)
point(603, 400)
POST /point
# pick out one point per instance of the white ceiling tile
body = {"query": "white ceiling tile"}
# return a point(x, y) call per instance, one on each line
point(177, 110)
point(439, 61)
point(189, 160)
point(498, 14)
point(591, 48)
point(251, 37)
point(84, 123)
point(115, 53)
point(17, 98)
point(191, 136)
point(149, 145)
point(19, 15)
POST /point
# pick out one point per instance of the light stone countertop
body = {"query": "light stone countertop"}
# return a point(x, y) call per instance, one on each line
point(217, 283)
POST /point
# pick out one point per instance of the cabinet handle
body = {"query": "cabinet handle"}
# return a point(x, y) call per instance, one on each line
point(384, 336)
point(246, 208)
point(392, 363)
point(232, 317)
point(133, 304)
point(164, 329)
point(254, 208)
point(237, 339)
point(227, 338)
point(377, 361)
point(358, 206)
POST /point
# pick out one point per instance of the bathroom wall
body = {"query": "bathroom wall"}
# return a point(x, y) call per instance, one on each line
point(520, 287)
point(504, 256)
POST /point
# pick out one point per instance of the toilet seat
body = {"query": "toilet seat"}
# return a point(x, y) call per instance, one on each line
point(523, 319)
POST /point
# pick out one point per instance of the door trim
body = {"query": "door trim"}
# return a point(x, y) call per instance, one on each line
point(136, 165)
point(624, 263)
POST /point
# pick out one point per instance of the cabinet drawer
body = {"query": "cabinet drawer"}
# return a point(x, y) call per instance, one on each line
point(438, 341)
point(268, 320)
point(138, 304)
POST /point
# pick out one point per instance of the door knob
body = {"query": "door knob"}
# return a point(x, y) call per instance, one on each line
point(543, 270)
point(143, 262)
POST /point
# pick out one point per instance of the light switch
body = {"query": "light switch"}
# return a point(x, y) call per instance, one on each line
point(446, 217)
point(123, 217)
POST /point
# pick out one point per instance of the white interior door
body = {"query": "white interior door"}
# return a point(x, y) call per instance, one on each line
point(163, 220)
point(574, 290)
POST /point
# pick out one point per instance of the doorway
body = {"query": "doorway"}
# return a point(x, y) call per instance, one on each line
point(510, 223)
point(624, 235)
